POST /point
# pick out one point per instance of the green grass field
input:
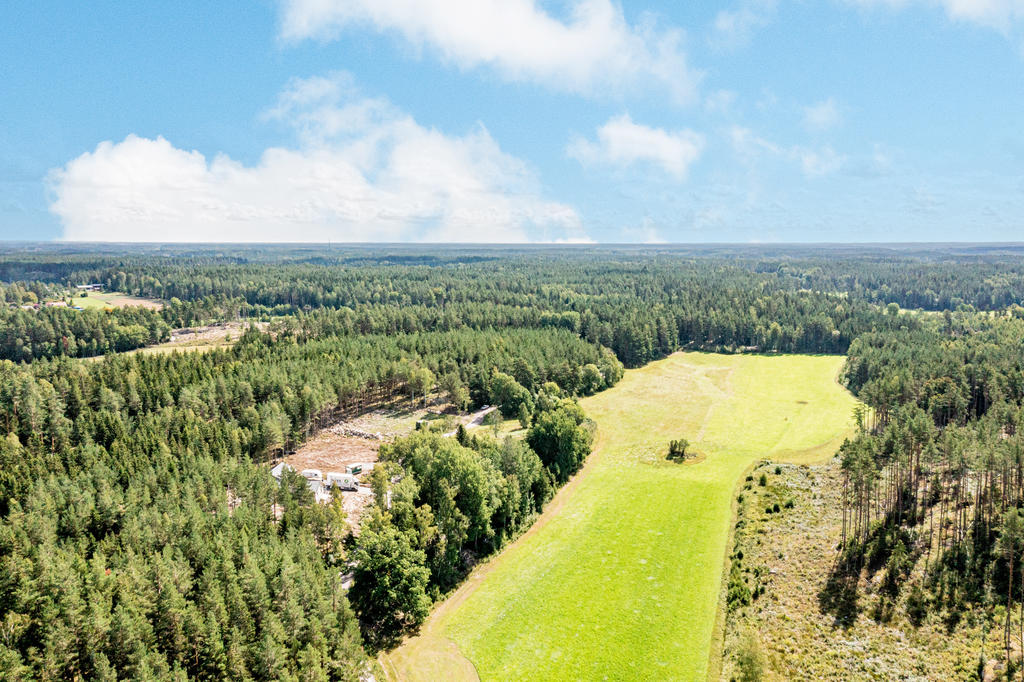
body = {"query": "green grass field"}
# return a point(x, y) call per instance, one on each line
point(111, 299)
point(621, 577)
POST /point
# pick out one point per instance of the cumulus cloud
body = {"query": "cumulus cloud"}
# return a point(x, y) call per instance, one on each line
point(822, 116)
point(595, 50)
point(363, 171)
point(622, 142)
point(1000, 15)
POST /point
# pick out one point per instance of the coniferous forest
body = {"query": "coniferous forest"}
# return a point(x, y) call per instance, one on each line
point(141, 535)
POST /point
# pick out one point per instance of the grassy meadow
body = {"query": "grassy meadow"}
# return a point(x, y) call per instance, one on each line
point(621, 576)
point(101, 300)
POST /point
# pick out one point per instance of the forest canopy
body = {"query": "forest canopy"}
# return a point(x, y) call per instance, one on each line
point(142, 536)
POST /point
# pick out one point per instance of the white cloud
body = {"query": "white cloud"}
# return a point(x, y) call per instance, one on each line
point(734, 28)
point(364, 171)
point(749, 147)
point(817, 162)
point(646, 232)
point(620, 141)
point(720, 101)
point(822, 116)
point(593, 52)
point(1000, 15)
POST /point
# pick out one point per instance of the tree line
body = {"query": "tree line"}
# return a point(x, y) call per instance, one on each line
point(640, 308)
point(936, 471)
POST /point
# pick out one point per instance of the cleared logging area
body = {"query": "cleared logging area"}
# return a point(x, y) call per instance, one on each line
point(620, 578)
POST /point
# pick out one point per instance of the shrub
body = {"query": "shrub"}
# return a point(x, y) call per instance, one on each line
point(738, 594)
point(677, 448)
point(763, 481)
point(749, 660)
point(917, 605)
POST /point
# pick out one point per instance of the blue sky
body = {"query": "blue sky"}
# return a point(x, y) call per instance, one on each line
point(512, 120)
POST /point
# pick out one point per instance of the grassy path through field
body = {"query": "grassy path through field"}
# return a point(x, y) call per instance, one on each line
point(620, 579)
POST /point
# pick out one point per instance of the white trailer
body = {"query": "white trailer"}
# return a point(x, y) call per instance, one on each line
point(312, 474)
point(341, 481)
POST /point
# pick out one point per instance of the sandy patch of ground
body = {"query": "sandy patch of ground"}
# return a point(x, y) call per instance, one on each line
point(331, 451)
point(121, 301)
point(210, 334)
point(357, 441)
point(210, 337)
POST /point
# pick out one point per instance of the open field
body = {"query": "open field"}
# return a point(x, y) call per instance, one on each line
point(212, 337)
point(113, 299)
point(620, 577)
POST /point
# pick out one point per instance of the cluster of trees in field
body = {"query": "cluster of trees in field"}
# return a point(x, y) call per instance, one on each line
point(139, 537)
point(937, 470)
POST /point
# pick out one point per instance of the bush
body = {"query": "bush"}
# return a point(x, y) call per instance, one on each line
point(677, 448)
point(917, 605)
point(524, 416)
point(749, 660)
point(738, 594)
point(763, 481)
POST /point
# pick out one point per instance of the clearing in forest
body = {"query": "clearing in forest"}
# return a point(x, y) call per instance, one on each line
point(114, 299)
point(621, 576)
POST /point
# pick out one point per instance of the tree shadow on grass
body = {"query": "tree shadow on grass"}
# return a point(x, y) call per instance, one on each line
point(839, 596)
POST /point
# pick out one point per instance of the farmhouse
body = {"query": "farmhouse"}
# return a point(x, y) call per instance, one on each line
point(90, 287)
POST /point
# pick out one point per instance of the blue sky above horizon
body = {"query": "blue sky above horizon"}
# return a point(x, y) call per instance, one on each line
point(513, 120)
